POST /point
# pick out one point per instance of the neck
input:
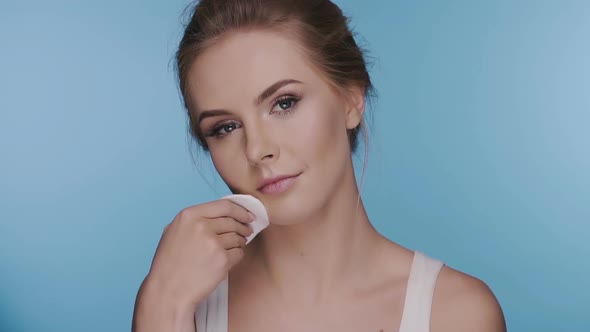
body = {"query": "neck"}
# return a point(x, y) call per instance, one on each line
point(321, 257)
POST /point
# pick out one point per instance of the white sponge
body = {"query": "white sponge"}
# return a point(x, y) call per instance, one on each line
point(256, 207)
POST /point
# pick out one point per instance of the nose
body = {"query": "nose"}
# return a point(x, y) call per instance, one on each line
point(260, 147)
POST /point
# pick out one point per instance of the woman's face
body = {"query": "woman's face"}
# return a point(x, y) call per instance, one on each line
point(274, 126)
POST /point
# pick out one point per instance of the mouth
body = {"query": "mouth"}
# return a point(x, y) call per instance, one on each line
point(278, 184)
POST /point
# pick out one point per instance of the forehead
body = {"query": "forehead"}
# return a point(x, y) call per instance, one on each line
point(244, 63)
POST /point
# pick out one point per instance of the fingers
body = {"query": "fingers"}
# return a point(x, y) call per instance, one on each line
point(227, 225)
point(232, 240)
point(235, 255)
point(234, 244)
point(226, 208)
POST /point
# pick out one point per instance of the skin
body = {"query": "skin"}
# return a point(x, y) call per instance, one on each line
point(320, 266)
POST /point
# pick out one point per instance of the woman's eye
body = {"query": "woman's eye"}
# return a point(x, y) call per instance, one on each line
point(224, 129)
point(285, 104)
point(227, 128)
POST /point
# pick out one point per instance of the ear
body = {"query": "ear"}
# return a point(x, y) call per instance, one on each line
point(355, 106)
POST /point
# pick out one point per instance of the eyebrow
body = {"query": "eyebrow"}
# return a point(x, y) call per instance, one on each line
point(261, 98)
point(274, 88)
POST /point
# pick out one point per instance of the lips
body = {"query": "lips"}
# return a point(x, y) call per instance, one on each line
point(278, 184)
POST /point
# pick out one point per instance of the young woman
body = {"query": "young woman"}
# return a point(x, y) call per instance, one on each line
point(275, 91)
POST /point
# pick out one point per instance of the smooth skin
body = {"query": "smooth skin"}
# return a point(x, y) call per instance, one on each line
point(320, 265)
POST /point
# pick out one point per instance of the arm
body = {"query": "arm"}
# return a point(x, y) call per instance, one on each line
point(195, 253)
point(154, 313)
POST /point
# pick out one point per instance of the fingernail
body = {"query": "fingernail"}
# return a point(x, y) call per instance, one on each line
point(252, 216)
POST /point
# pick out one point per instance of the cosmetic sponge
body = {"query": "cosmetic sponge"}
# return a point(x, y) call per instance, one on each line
point(256, 207)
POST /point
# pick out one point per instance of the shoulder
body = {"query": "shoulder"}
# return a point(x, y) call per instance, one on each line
point(464, 303)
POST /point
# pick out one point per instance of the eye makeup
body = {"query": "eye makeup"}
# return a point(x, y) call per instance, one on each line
point(281, 106)
point(286, 103)
point(227, 126)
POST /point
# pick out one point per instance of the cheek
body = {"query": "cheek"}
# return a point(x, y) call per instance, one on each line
point(321, 133)
point(225, 164)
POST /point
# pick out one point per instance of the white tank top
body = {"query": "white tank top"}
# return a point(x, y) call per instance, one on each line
point(211, 315)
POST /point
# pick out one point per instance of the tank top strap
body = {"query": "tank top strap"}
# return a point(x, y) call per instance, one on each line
point(211, 314)
point(419, 293)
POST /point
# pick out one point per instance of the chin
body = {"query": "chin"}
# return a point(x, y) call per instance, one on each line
point(294, 206)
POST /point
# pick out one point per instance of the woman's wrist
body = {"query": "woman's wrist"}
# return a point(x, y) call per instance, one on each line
point(157, 311)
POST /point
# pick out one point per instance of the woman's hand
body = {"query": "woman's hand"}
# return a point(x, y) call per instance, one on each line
point(196, 251)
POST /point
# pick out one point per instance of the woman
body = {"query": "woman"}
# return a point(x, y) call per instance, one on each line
point(276, 91)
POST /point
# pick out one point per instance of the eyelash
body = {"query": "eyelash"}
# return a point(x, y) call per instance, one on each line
point(290, 97)
point(295, 99)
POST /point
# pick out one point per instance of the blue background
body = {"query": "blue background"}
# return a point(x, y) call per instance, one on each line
point(479, 151)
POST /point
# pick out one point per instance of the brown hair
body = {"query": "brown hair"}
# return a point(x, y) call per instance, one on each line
point(319, 25)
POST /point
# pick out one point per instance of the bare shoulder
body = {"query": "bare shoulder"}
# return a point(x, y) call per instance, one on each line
point(464, 303)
